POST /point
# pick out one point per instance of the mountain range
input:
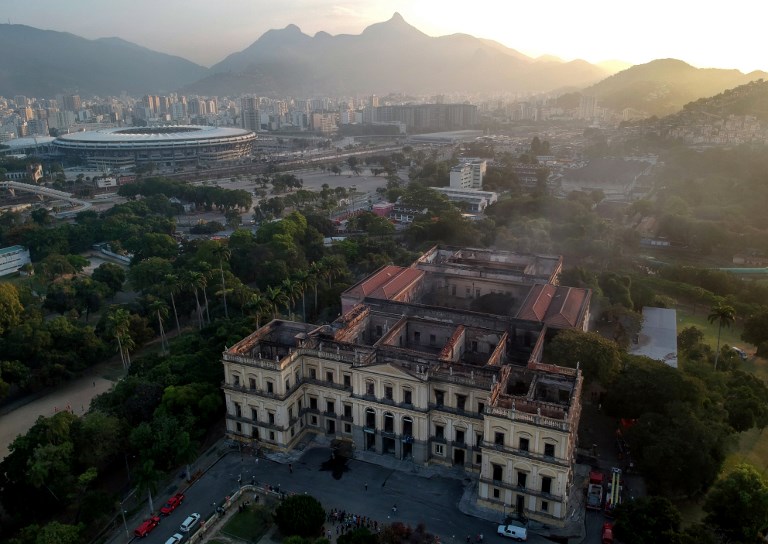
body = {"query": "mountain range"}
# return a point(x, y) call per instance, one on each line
point(387, 57)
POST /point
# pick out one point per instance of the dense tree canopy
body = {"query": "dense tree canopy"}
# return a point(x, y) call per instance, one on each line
point(301, 515)
point(738, 504)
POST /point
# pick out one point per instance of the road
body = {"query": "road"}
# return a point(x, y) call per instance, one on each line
point(433, 501)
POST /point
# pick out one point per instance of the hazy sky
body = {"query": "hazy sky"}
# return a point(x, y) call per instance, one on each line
point(702, 33)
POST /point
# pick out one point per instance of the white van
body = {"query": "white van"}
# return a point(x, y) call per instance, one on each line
point(190, 522)
point(513, 531)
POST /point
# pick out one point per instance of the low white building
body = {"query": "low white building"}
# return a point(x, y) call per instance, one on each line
point(468, 174)
point(472, 200)
point(12, 258)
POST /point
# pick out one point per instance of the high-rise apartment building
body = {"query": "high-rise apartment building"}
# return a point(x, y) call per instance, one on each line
point(72, 103)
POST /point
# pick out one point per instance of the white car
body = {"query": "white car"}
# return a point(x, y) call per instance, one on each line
point(513, 531)
point(190, 522)
point(175, 539)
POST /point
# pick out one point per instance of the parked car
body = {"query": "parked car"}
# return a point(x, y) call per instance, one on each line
point(146, 526)
point(172, 504)
point(175, 539)
point(513, 531)
point(190, 522)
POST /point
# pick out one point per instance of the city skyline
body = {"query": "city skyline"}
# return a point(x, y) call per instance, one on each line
point(593, 30)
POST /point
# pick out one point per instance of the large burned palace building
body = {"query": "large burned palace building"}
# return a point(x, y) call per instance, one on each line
point(418, 368)
point(188, 145)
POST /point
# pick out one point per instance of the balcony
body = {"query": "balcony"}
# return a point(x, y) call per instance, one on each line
point(453, 410)
point(527, 454)
point(521, 489)
point(328, 384)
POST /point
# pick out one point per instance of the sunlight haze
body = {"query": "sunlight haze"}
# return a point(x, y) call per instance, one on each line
point(593, 30)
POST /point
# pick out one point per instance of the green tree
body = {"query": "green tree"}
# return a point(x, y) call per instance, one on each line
point(756, 331)
point(172, 285)
point(223, 253)
point(11, 309)
point(60, 533)
point(111, 275)
point(689, 338)
point(598, 357)
point(647, 520)
point(118, 326)
point(301, 515)
point(737, 504)
point(724, 315)
point(160, 309)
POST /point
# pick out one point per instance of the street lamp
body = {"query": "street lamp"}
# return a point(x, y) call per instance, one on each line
point(122, 512)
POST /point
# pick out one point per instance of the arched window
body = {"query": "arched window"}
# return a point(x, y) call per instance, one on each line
point(389, 422)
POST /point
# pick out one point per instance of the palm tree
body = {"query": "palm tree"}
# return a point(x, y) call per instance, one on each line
point(160, 309)
point(172, 285)
point(291, 290)
point(257, 304)
point(276, 297)
point(223, 253)
point(207, 272)
point(724, 314)
point(118, 326)
point(315, 273)
point(193, 280)
point(302, 282)
point(147, 477)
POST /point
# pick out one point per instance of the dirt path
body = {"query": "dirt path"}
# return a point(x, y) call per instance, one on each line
point(75, 395)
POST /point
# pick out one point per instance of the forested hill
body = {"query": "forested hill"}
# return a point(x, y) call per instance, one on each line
point(749, 99)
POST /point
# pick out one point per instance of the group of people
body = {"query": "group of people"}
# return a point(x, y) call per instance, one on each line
point(344, 521)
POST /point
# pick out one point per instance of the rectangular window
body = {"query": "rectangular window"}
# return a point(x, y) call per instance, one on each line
point(407, 396)
point(369, 388)
point(478, 440)
point(330, 406)
point(272, 435)
point(347, 380)
point(474, 346)
point(290, 412)
point(271, 418)
point(293, 432)
point(378, 330)
point(237, 379)
point(544, 506)
point(480, 407)
point(238, 410)
point(252, 384)
point(460, 437)
point(524, 443)
point(287, 385)
point(439, 397)
point(496, 493)
point(461, 402)
point(312, 403)
point(388, 392)
point(546, 484)
point(549, 450)
point(270, 387)
point(296, 375)
point(498, 472)
point(439, 449)
point(432, 339)
point(313, 419)
point(478, 458)
point(238, 427)
point(416, 337)
point(498, 439)
point(347, 428)
point(254, 414)
point(255, 432)
point(521, 478)
point(329, 376)
point(313, 373)
point(301, 404)
point(347, 410)
point(439, 431)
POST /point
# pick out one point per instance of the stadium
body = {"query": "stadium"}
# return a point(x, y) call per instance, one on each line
point(168, 146)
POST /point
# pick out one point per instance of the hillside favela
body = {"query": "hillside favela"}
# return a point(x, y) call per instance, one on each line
point(408, 272)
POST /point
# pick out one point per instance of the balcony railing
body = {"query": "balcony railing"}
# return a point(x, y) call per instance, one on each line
point(453, 410)
point(522, 489)
point(526, 453)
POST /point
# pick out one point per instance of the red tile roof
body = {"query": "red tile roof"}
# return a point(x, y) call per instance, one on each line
point(557, 306)
point(386, 284)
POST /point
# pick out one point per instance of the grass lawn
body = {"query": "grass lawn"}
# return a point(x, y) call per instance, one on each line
point(729, 335)
point(250, 525)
